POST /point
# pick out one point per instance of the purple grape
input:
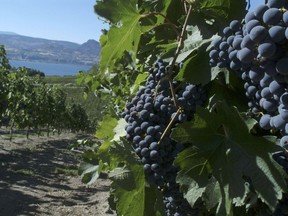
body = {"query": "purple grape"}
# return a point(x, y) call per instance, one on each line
point(283, 113)
point(272, 16)
point(264, 122)
point(278, 122)
point(282, 66)
point(275, 3)
point(277, 33)
point(251, 24)
point(245, 55)
point(285, 17)
point(284, 142)
point(284, 99)
point(276, 88)
point(267, 49)
point(258, 34)
point(260, 10)
point(235, 25)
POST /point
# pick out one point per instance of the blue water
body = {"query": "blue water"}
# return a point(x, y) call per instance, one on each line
point(51, 69)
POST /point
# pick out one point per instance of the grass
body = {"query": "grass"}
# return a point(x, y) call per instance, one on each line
point(26, 172)
point(66, 171)
point(63, 80)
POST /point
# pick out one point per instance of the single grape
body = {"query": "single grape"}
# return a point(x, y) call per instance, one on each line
point(270, 68)
point(284, 142)
point(275, 3)
point(264, 122)
point(235, 25)
point(285, 17)
point(251, 91)
point(278, 122)
point(276, 88)
point(282, 66)
point(283, 113)
point(258, 34)
point(245, 55)
point(223, 46)
point(237, 43)
point(270, 105)
point(272, 16)
point(277, 33)
point(266, 80)
point(265, 93)
point(260, 10)
point(267, 49)
point(249, 16)
point(213, 54)
point(256, 74)
point(227, 31)
point(248, 43)
point(284, 99)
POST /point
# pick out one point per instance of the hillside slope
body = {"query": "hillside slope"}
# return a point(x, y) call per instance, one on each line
point(26, 48)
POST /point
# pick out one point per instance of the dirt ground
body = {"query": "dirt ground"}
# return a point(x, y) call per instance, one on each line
point(38, 176)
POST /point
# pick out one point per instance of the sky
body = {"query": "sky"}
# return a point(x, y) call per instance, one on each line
point(69, 20)
point(254, 3)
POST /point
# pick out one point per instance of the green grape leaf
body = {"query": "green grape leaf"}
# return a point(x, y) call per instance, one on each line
point(119, 130)
point(129, 190)
point(196, 70)
point(193, 42)
point(222, 146)
point(218, 9)
point(141, 79)
point(105, 132)
point(105, 129)
point(124, 33)
point(133, 195)
point(89, 173)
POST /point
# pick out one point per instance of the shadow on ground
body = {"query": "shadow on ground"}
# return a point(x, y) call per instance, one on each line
point(31, 184)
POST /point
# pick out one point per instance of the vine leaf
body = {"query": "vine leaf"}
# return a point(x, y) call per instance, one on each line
point(89, 173)
point(124, 33)
point(196, 69)
point(119, 130)
point(106, 133)
point(193, 42)
point(224, 148)
point(105, 129)
point(129, 188)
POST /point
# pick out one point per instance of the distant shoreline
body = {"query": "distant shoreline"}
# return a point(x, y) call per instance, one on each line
point(51, 69)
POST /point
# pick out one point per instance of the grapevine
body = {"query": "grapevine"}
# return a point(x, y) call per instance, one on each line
point(204, 129)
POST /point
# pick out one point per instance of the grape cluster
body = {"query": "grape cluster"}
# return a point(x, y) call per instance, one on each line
point(150, 114)
point(257, 51)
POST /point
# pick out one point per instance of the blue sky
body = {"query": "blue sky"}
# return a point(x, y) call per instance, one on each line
point(254, 3)
point(70, 20)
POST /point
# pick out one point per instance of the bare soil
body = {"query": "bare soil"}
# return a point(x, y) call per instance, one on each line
point(38, 176)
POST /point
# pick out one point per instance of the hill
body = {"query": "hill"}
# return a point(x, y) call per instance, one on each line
point(26, 48)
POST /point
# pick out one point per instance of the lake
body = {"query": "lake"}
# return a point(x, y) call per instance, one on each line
point(51, 69)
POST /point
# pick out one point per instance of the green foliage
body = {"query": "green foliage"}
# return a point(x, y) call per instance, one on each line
point(223, 164)
point(29, 103)
point(220, 145)
point(125, 32)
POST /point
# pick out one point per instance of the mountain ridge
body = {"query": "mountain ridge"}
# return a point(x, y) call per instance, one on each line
point(26, 48)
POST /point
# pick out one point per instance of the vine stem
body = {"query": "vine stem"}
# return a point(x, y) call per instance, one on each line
point(169, 126)
point(181, 40)
point(180, 43)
